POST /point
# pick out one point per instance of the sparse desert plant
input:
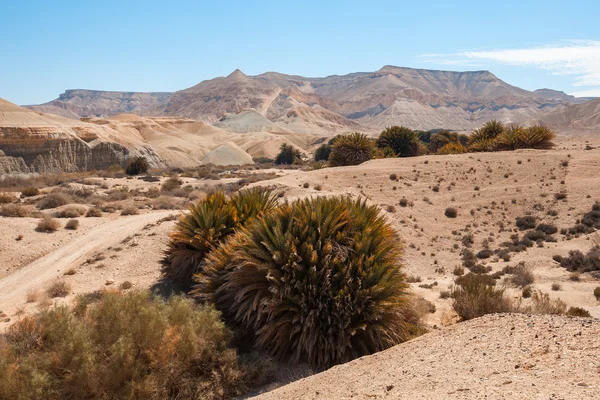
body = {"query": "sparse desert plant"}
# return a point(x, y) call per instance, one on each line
point(58, 289)
point(171, 184)
point(14, 211)
point(53, 200)
point(521, 276)
point(451, 212)
point(597, 293)
point(94, 212)
point(7, 198)
point(403, 141)
point(578, 312)
point(47, 224)
point(474, 297)
point(543, 304)
point(556, 287)
point(137, 166)
point(288, 154)
point(71, 211)
point(126, 285)
point(577, 261)
point(526, 222)
point(314, 260)
point(527, 292)
point(126, 345)
point(30, 192)
point(206, 225)
point(351, 149)
point(72, 224)
point(130, 211)
point(32, 295)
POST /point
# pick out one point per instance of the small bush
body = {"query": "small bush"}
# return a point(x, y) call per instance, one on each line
point(47, 225)
point(579, 262)
point(474, 298)
point(94, 212)
point(126, 346)
point(171, 184)
point(451, 212)
point(352, 149)
point(30, 192)
point(597, 293)
point(58, 289)
point(72, 224)
point(130, 211)
point(527, 222)
point(70, 212)
point(288, 154)
point(53, 200)
point(393, 177)
point(403, 141)
point(522, 276)
point(547, 228)
point(527, 292)
point(556, 287)
point(14, 211)
point(578, 312)
point(322, 153)
point(6, 198)
point(137, 166)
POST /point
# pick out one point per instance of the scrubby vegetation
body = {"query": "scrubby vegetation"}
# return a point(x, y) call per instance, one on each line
point(325, 274)
point(288, 154)
point(403, 142)
point(47, 224)
point(209, 222)
point(125, 346)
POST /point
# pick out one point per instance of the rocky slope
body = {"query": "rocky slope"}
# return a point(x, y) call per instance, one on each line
point(366, 101)
point(493, 357)
point(573, 118)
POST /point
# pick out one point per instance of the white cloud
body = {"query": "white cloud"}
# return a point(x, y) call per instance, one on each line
point(580, 59)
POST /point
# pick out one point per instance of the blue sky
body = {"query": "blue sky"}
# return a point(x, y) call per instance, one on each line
point(49, 46)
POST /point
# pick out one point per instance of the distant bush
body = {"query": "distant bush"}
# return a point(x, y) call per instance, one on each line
point(452, 148)
point(14, 211)
point(522, 276)
point(53, 200)
point(94, 212)
point(351, 149)
point(288, 154)
point(137, 166)
point(125, 346)
point(580, 262)
point(171, 184)
point(72, 224)
point(70, 212)
point(578, 312)
point(58, 289)
point(527, 222)
point(451, 212)
point(30, 192)
point(315, 260)
point(403, 141)
point(47, 224)
point(130, 211)
point(597, 293)
point(322, 153)
point(6, 198)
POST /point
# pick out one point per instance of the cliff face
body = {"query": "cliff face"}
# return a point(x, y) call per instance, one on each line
point(12, 165)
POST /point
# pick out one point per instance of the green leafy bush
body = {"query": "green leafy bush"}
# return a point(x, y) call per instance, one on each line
point(322, 153)
point(317, 280)
point(403, 141)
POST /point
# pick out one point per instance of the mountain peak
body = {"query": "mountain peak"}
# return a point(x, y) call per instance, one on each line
point(237, 74)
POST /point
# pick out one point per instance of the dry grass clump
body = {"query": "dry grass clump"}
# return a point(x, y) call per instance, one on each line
point(316, 280)
point(125, 346)
point(94, 212)
point(47, 224)
point(30, 192)
point(72, 224)
point(476, 296)
point(53, 200)
point(71, 211)
point(7, 198)
point(58, 289)
point(14, 211)
point(130, 211)
point(521, 276)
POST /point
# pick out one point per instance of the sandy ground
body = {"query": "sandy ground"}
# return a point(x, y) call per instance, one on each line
point(494, 357)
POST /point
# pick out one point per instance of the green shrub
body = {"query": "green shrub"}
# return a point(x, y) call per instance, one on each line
point(322, 153)
point(137, 166)
point(484, 138)
point(403, 141)
point(288, 154)
point(442, 139)
point(206, 225)
point(537, 137)
point(317, 280)
point(125, 346)
point(351, 149)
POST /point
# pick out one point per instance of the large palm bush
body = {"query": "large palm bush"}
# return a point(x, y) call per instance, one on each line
point(441, 139)
point(485, 138)
point(351, 149)
point(403, 141)
point(208, 223)
point(537, 137)
point(316, 280)
point(510, 139)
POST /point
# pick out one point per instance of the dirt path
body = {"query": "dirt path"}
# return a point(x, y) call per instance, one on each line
point(14, 287)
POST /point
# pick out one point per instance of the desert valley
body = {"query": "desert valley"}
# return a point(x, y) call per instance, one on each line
point(403, 233)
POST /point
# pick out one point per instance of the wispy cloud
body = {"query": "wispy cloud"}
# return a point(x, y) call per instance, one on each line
point(580, 59)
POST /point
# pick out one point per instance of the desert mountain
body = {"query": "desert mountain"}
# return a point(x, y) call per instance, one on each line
point(95, 103)
point(583, 117)
point(31, 141)
point(367, 101)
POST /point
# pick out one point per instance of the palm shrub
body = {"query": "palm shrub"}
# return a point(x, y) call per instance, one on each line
point(351, 149)
point(441, 139)
point(138, 165)
point(288, 154)
point(537, 137)
point(510, 139)
point(322, 153)
point(484, 138)
point(316, 280)
point(402, 140)
point(125, 346)
point(209, 222)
